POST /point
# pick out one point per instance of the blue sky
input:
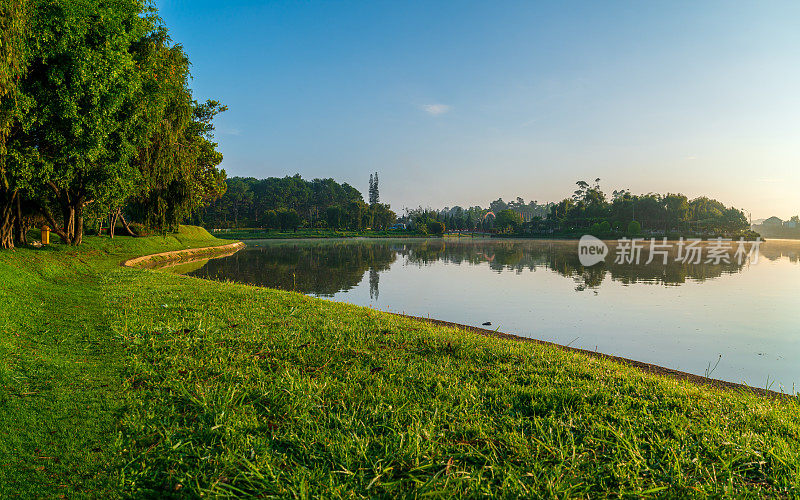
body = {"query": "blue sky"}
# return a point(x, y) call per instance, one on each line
point(459, 103)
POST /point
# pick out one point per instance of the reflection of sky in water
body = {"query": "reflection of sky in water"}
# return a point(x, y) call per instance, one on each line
point(747, 314)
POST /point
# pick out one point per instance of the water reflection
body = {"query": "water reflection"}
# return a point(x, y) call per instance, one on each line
point(324, 268)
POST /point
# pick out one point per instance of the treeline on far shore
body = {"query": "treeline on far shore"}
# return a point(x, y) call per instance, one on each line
point(590, 210)
point(321, 207)
point(291, 202)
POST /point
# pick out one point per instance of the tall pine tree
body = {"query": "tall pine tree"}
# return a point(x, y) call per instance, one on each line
point(374, 193)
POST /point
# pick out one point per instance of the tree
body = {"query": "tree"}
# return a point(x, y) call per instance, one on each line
point(469, 222)
point(271, 219)
point(356, 212)
point(589, 209)
point(13, 32)
point(498, 206)
point(288, 219)
point(178, 161)
point(508, 220)
point(382, 216)
point(96, 116)
point(374, 192)
point(677, 210)
point(84, 88)
point(335, 215)
point(434, 227)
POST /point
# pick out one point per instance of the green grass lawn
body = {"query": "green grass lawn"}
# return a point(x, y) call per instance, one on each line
point(130, 382)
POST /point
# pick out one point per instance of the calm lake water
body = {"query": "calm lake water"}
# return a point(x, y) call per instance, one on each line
point(738, 321)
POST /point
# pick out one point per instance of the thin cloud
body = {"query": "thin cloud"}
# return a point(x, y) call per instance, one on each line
point(435, 109)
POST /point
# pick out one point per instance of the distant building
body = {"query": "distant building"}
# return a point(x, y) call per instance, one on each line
point(776, 228)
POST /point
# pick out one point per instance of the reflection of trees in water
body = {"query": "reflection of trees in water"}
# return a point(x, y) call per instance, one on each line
point(327, 267)
point(775, 250)
point(320, 268)
point(374, 279)
point(562, 257)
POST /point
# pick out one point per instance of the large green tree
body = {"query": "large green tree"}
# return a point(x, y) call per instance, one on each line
point(677, 211)
point(381, 215)
point(508, 220)
point(84, 85)
point(13, 35)
point(96, 115)
point(178, 163)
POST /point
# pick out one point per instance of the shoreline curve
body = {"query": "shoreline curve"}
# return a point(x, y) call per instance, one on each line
point(178, 255)
point(640, 365)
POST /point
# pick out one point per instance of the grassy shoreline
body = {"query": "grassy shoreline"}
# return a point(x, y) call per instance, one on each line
point(272, 234)
point(129, 382)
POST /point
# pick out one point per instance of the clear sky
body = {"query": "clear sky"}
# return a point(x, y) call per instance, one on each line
point(459, 103)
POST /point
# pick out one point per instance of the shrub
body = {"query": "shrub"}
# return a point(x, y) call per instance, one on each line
point(634, 228)
point(435, 227)
point(271, 219)
point(288, 219)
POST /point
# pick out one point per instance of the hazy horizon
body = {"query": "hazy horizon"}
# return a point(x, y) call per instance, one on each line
point(461, 104)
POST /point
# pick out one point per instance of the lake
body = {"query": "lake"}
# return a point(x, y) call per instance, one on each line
point(734, 318)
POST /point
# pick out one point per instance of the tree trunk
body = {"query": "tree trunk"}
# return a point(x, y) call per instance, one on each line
point(71, 229)
point(125, 224)
point(7, 218)
point(6, 227)
point(6, 235)
point(20, 227)
point(68, 228)
point(77, 230)
point(112, 221)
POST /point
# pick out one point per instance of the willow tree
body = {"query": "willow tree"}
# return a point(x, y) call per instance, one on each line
point(13, 24)
point(178, 163)
point(84, 84)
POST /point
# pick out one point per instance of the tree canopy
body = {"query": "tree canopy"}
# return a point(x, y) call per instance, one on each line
point(250, 202)
point(97, 115)
point(508, 220)
point(589, 209)
point(652, 212)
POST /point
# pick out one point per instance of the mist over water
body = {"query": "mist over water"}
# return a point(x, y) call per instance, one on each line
point(732, 320)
